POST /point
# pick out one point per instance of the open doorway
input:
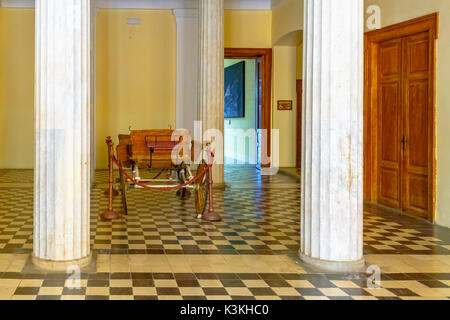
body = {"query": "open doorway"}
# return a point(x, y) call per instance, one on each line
point(260, 78)
point(241, 97)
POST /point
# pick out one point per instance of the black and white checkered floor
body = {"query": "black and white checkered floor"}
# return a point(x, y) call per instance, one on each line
point(161, 251)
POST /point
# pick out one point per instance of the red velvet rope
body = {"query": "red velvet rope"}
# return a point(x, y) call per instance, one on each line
point(177, 187)
point(155, 177)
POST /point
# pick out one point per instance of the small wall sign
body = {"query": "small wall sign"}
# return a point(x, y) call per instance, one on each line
point(284, 104)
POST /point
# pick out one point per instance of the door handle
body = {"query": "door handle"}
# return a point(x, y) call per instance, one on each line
point(404, 141)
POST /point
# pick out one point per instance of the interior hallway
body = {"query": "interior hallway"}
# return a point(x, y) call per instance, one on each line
point(160, 251)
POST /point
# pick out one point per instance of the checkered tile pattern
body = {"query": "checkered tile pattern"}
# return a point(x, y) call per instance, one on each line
point(159, 222)
point(382, 235)
point(16, 220)
point(225, 286)
point(260, 216)
point(16, 176)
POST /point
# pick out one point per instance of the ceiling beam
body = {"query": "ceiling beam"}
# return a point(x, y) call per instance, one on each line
point(154, 4)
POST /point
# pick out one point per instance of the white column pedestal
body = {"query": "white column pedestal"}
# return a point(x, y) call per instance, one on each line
point(332, 142)
point(62, 113)
point(334, 266)
point(68, 266)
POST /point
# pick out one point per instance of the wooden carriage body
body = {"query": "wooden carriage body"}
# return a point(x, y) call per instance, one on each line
point(155, 149)
point(165, 150)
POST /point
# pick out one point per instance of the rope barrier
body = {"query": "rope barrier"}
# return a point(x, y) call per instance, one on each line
point(156, 177)
point(177, 187)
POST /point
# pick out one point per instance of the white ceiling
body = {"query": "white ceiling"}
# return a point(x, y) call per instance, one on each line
point(155, 4)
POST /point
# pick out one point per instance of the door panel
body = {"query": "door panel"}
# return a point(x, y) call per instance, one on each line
point(390, 179)
point(400, 82)
point(299, 86)
point(418, 54)
point(390, 113)
point(390, 53)
point(404, 123)
point(416, 124)
point(389, 156)
point(417, 189)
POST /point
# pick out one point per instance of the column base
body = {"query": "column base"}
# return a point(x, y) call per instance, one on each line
point(335, 266)
point(220, 186)
point(52, 265)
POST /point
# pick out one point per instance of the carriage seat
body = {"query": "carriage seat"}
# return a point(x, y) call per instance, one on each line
point(150, 148)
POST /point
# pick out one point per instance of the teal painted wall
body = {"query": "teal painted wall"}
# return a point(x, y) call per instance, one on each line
point(240, 149)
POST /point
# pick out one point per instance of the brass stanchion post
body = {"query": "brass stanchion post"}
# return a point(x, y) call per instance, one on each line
point(115, 193)
point(110, 214)
point(211, 215)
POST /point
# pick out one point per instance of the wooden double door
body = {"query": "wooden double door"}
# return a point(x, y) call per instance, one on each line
point(405, 125)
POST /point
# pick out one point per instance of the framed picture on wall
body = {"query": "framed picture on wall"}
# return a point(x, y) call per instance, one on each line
point(235, 91)
point(285, 105)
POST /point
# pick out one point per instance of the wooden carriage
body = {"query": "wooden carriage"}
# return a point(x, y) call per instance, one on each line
point(164, 150)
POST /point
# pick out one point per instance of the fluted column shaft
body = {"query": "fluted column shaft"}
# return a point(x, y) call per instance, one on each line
point(187, 68)
point(62, 115)
point(332, 143)
point(211, 77)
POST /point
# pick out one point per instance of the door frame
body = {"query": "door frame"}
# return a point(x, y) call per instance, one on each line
point(299, 85)
point(428, 23)
point(266, 83)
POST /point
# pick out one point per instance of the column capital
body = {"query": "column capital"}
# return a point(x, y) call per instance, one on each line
point(95, 11)
point(182, 14)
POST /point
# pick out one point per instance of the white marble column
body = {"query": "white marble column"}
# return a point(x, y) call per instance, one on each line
point(94, 13)
point(211, 78)
point(187, 68)
point(332, 143)
point(62, 113)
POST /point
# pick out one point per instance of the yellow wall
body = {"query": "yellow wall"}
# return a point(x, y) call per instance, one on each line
point(287, 23)
point(248, 29)
point(254, 29)
point(284, 88)
point(287, 17)
point(401, 10)
point(135, 76)
point(16, 88)
point(136, 73)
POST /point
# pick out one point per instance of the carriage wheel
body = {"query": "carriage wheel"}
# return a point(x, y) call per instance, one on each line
point(123, 187)
point(201, 191)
